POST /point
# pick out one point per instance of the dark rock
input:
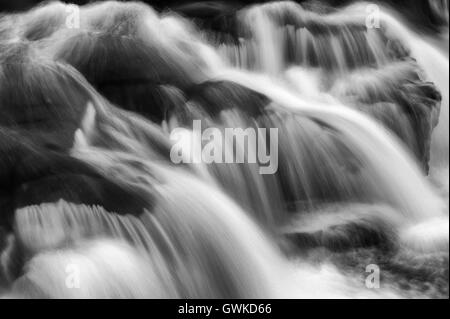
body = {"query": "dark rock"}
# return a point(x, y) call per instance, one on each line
point(399, 98)
point(217, 96)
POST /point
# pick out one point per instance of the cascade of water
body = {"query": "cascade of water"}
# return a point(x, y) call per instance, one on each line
point(355, 116)
point(385, 159)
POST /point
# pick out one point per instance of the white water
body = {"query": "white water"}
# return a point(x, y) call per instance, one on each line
point(214, 231)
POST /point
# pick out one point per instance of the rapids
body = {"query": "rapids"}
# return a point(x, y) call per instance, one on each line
point(88, 189)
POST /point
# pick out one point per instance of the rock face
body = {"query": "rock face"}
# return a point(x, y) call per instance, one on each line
point(399, 98)
point(42, 105)
point(38, 98)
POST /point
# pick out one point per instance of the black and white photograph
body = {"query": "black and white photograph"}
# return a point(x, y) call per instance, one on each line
point(224, 150)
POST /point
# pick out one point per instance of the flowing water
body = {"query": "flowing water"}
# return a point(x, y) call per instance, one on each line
point(90, 198)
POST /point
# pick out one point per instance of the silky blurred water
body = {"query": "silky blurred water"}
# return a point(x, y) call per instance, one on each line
point(362, 118)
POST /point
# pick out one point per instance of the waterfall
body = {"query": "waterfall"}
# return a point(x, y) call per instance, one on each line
point(88, 187)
